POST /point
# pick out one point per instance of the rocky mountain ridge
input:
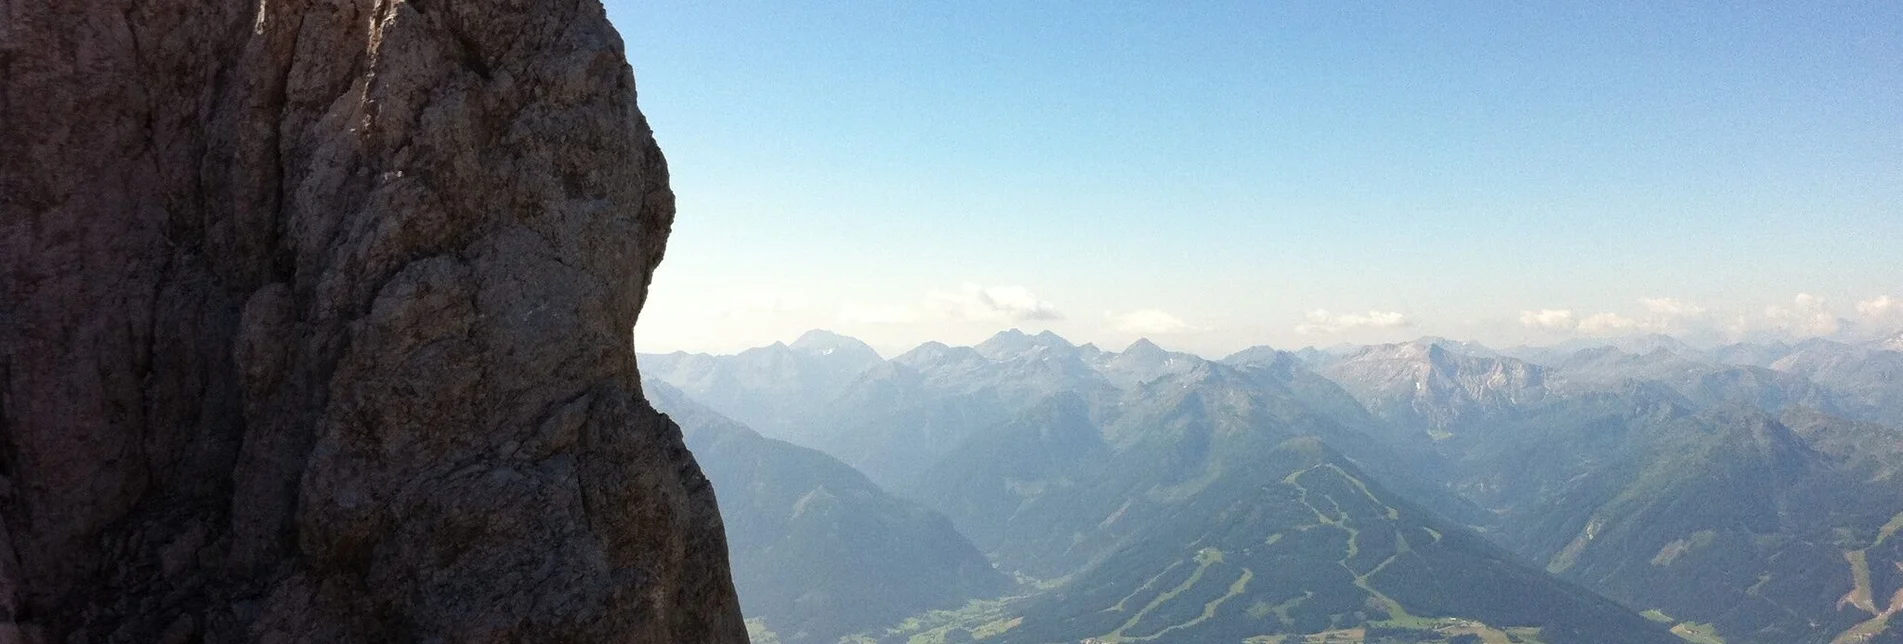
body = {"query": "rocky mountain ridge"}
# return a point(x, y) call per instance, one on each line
point(316, 328)
point(1739, 498)
point(818, 551)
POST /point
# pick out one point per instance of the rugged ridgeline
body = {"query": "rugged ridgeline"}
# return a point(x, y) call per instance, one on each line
point(1170, 498)
point(1723, 488)
point(316, 328)
point(1295, 539)
point(1867, 379)
point(819, 551)
point(1750, 489)
point(1207, 502)
point(778, 389)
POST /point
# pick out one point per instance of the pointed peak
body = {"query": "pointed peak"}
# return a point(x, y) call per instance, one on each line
point(1047, 338)
point(1260, 353)
point(1463, 347)
point(1143, 346)
point(934, 351)
point(926, 348)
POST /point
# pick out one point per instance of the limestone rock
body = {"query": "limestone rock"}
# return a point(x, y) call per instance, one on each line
point(316, 327)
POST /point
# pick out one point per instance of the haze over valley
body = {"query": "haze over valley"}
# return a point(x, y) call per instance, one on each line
point(1242, 322)
point(1028, 489)
point(1288, 322)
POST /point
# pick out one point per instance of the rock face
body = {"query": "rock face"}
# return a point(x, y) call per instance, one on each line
point(316, 328)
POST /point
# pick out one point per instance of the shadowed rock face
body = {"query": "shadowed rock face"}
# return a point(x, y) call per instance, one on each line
point(316, 328)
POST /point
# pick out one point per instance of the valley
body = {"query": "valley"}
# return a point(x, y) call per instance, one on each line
point(1418, 492)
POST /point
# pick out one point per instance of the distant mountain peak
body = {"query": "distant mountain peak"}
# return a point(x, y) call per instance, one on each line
point(822, 337)
point(1144, 347)
point(822, 342)
point(1143, 361)
point(933, 352)
point(1260, 354)
point(1463, 347)
point(1011, 343)
point(1413, 351)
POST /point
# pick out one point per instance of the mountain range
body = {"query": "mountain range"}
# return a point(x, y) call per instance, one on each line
point(1418, 491)
point(818, 551)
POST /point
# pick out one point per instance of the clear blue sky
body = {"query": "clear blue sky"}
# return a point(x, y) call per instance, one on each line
point(1231, 174)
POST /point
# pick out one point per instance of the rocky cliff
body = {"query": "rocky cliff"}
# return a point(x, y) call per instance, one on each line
point(316, 328)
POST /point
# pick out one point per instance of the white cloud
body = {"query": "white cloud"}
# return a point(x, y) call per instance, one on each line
point(1607, 324)
point(1378, 319)
point(1662, 315)
point(1882, 307)
point(1551, 319)
point(858, 314)
point(1671, 315)
point(1150, 322)
point(1671, 307)
point(971, 303)
point(1807, 315)
point(1320, 321)
point(992, 304)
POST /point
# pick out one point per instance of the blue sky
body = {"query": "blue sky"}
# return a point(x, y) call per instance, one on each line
point(1231, 174)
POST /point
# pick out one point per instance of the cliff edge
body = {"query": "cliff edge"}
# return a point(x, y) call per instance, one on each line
point(316, 327)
